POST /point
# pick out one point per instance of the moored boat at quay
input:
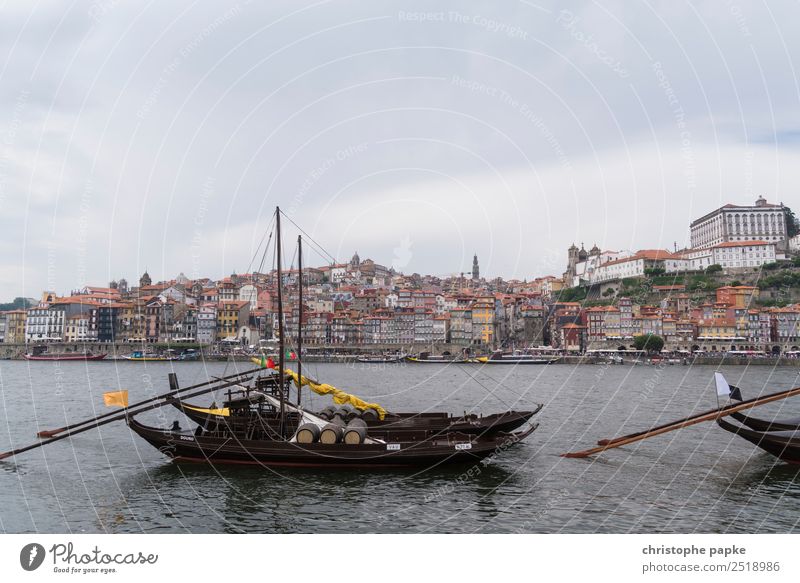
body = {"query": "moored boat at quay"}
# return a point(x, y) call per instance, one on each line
point(516, 357)
point(386, 359)
point(65, 356)
point(428, 358)
point(142, 356)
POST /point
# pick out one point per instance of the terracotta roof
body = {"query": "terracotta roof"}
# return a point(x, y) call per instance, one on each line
point(741, 244)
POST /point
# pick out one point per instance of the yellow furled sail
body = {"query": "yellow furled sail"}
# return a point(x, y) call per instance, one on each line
point(339, 397)
point(224, 412)
point(116, 399)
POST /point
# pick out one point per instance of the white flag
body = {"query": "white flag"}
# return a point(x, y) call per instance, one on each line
point(723, 388)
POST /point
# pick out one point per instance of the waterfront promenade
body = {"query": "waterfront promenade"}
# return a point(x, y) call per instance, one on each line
point(343, 353)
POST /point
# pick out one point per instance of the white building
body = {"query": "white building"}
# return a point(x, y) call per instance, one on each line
point(44, 323)
point(249, 293)
point(338, 273)
point(761, 222)
point(585, 270)
point(207, 324)
point(730, 255)
point(738, 255)
point(633, 266)
point(441, 325)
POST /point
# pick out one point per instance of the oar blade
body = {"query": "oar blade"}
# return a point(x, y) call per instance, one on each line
point(50, 432)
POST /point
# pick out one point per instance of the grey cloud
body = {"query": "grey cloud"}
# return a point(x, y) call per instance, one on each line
point(143, 105)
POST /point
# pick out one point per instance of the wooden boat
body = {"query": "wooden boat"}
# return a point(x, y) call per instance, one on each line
point(784, 445)
point(516, 357)
point(61, 356)
point(261, 447)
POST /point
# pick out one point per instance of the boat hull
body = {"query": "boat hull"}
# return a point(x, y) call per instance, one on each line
point(66, 357)
point(518, 361)
point(785, 445)
point(764, 425)
point(148, 359)
point(230, 449)
point(436, 361)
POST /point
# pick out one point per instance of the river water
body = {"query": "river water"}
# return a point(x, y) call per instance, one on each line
point(699, 479)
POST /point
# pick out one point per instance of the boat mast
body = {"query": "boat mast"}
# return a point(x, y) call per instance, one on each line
point(280, 317)
point(300, 318)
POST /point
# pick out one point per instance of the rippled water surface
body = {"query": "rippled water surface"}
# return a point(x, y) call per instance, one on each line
point(700, 479)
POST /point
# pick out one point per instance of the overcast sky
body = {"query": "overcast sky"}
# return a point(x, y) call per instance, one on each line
point(161, 135)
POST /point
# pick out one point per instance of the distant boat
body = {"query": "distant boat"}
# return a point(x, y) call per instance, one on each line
point(64, 356)
point(516, 357)
point(139, 356)
point(381, 359)
point(426, 358)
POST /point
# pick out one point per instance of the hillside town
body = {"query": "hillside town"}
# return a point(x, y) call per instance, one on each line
point(732, 290)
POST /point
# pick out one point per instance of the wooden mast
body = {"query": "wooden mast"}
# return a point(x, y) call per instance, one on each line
point(300, 318)
point(281, 343)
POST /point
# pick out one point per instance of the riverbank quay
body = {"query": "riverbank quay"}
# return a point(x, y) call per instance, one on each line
point(351, 354)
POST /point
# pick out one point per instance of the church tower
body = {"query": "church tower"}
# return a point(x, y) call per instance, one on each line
point(476, 272)
point(145, 279)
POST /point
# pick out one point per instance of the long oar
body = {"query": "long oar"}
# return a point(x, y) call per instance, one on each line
point(755, 400)
point(699, 418)
point(175, 391)
point(117, 416)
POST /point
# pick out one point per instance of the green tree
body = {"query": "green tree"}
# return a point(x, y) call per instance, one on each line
point(792, 224)
point(716, 268)
point(17, 304)
point(649, 342)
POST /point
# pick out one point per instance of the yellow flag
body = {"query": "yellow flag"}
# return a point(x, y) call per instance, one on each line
point(116, 399)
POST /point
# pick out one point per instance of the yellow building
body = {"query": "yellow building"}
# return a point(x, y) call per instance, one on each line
point(76, 328)
point(15, 326)
point(231, 315)
point(483, 320)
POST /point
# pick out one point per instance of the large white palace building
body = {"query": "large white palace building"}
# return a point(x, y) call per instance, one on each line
point(735, 223)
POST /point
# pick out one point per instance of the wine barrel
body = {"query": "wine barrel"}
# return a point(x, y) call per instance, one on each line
point(308, 433)
point(354, 414)
point(369, 415)
point(331, 433)
point(343, 412)
point(356, 432)
point(327, 413)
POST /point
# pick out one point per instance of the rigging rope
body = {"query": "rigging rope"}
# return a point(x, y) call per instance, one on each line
point(310, 238)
